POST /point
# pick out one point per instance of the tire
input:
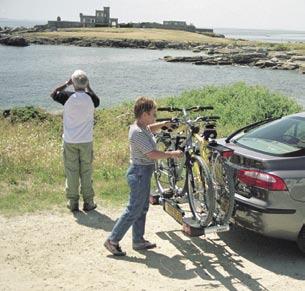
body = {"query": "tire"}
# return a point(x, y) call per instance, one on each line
point(162, 171)
point(301, 240)
point(170, 174)
point(223, 185)
point(200, 191)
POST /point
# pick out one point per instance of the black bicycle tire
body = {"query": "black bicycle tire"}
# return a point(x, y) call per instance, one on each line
point(204, 172)
point(230, 186)
point(160, 188)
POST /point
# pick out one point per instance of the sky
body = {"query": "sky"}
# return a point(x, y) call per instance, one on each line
point(255, 14)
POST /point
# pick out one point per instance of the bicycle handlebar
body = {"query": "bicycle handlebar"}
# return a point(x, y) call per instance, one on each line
point(194, 108)
point(169, 109)
point(164, 119)
point(199, 108)
point(207, 118)
point(200, 118)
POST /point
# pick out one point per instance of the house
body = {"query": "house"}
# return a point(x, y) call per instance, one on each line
point(101, 18)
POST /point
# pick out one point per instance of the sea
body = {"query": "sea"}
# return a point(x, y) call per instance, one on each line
point(28, 75)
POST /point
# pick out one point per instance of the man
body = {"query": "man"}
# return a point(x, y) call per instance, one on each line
point(143, 154)
point(78, 120)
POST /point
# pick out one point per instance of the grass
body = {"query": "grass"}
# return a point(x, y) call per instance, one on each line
point(31, 169)
point(151, 34)
point(129, 34)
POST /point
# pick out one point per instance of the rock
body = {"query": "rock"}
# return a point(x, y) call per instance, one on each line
point(298, 58)
point(176, 45)
point(231, 46)
point(263, 50)
point(70, 39)
point(289, 66)
point(213, 62)
point(152, 46)
point(210, 51)
point(14, 41)
point(280, 55)
point(228, 51)
point(247, 58)
point(274, 59)
point(183, 59)
point(291, 53)
point(265, 64)
point(249, 49)
point(196, 50)
point(302, 69)
point(15, 29)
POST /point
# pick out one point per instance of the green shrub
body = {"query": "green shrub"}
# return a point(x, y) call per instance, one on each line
point(238, 104)
point(24, 114)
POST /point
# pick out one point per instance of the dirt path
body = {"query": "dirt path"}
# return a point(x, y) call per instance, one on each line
point(62, 251)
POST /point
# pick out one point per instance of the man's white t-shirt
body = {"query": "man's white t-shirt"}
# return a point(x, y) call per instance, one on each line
point(78, 118)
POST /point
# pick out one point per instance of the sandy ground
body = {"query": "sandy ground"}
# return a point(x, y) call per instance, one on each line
point(62, 251)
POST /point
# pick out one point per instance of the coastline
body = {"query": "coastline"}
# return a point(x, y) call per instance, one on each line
point(211, 50)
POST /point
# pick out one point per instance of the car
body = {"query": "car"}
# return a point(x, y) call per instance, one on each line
point(268, 168)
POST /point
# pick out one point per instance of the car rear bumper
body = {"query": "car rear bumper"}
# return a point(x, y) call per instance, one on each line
point(272, 222)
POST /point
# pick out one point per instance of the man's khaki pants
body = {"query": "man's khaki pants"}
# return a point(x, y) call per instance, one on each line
point(78, 159)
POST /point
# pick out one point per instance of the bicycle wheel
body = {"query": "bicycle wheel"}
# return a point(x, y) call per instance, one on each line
point(170, 174)
point(224, 190)
point(200, 191)
point(163, 175)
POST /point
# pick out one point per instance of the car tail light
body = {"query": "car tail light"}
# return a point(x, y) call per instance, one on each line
point(261, 180)
point(227, 154)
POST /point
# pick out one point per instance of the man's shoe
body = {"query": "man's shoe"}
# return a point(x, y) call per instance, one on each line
point(145, 245)
point(72, 205)
point(115, 249)
point(88, 206)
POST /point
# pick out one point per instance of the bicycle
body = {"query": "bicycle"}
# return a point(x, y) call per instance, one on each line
point(201, 176)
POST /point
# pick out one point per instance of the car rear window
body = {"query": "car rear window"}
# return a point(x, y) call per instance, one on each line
point(279, 137)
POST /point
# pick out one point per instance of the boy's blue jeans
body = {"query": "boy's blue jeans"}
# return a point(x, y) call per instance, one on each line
point(138, 177)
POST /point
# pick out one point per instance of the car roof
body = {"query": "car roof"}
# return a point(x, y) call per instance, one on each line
point(300, 114)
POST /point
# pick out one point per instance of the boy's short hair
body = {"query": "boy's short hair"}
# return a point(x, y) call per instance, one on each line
point(143, 104)
point(79, 79)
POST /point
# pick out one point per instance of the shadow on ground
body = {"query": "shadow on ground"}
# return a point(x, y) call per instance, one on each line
point(94, 219)
point(221, 261)
point(276, 255)
point(213, 258)
point(213, 262)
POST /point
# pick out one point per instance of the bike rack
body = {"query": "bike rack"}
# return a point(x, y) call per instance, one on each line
point(190, 226)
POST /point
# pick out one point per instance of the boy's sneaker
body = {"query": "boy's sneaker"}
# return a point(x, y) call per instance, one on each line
point(72, 205)
point(88, 206)
point(145, 245)
point(115, 249)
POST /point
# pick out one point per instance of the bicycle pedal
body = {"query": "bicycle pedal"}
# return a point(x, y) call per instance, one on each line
point(168, 193)
point(181, 199)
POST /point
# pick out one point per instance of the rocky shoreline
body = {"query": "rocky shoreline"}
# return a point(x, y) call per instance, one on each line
point(208, 54)
point(249, 56)
point(117, 43)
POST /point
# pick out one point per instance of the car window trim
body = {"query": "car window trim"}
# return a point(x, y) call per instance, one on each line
point(250, 126)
